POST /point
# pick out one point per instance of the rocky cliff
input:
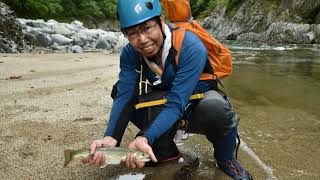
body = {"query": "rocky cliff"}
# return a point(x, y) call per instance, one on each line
point(274, 21)
point(11, 37)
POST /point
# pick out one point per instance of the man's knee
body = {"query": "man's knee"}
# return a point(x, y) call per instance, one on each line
point(213, 114)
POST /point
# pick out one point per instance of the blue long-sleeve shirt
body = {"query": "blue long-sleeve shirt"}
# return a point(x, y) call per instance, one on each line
point(181, 84)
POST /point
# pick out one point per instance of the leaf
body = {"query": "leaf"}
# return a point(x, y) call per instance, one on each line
point(14, 77)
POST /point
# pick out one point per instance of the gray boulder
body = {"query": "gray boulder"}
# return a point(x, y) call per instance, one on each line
point(59, 29)
point(107, 41)
point(30, 38)
point(52, 23)
point(22, 23)
point(77, 24)
point(81, 39)
point(60, 39)
point(43, 40)
point(73, 28)
point(102, 44)
point(7, 46)
point(76, 49)
point(122, 41)
point(45, 30)
point(39, 23)
point(316, 30)
point(94, 33)
point(289, 33)
point(55, 46)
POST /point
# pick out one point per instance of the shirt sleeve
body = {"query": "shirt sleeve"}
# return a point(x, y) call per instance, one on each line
point(128, 76)
point(192, 60)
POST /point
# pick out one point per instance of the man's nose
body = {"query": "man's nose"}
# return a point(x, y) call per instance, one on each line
point(143, 38)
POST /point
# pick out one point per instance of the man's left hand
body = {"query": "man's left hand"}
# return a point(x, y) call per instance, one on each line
point(141, 144)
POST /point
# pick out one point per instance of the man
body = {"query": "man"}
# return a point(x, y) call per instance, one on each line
point(150, 41)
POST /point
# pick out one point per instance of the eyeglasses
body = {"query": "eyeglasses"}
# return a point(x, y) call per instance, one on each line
point(147, 30)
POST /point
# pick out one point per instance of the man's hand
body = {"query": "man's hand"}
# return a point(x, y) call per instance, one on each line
point(140, 143)
point(97, 158)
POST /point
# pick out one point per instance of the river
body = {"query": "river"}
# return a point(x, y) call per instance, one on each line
point(276, 92)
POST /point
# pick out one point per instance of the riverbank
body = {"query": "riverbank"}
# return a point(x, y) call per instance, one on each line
point(50, 103)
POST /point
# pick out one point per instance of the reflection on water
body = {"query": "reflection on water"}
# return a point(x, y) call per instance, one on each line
point(290, 77)
point(131, 177)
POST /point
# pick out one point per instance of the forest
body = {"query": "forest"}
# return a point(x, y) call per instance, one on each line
point(95, 10)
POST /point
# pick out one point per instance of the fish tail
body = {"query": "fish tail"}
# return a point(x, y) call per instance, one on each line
point(68, 156)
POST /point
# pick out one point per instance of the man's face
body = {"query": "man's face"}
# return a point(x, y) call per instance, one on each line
point(146, 38)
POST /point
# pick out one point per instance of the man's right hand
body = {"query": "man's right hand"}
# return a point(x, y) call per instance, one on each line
point(97, 158)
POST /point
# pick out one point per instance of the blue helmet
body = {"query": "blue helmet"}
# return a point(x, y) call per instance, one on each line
point(133, 12)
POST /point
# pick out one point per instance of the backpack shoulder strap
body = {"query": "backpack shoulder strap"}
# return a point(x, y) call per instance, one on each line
point(178, 36)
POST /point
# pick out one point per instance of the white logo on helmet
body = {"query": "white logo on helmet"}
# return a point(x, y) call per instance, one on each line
point(138, 9)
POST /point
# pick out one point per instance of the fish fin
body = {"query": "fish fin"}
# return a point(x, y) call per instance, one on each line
point(104, 165)
point(68, 156)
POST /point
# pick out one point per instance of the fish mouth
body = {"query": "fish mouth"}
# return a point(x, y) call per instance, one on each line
point(142, 160)
point(146, 160)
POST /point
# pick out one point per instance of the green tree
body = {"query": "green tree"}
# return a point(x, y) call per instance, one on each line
point(198, 6)
point(70, 8)
point(35, 8)
point(108, 8)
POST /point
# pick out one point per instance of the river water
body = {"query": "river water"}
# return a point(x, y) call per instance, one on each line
point(276, 92)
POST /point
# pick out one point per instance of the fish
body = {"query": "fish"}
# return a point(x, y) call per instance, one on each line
point(114, 155)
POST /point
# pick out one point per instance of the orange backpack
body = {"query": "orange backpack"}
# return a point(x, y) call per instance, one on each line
point(179, 13)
